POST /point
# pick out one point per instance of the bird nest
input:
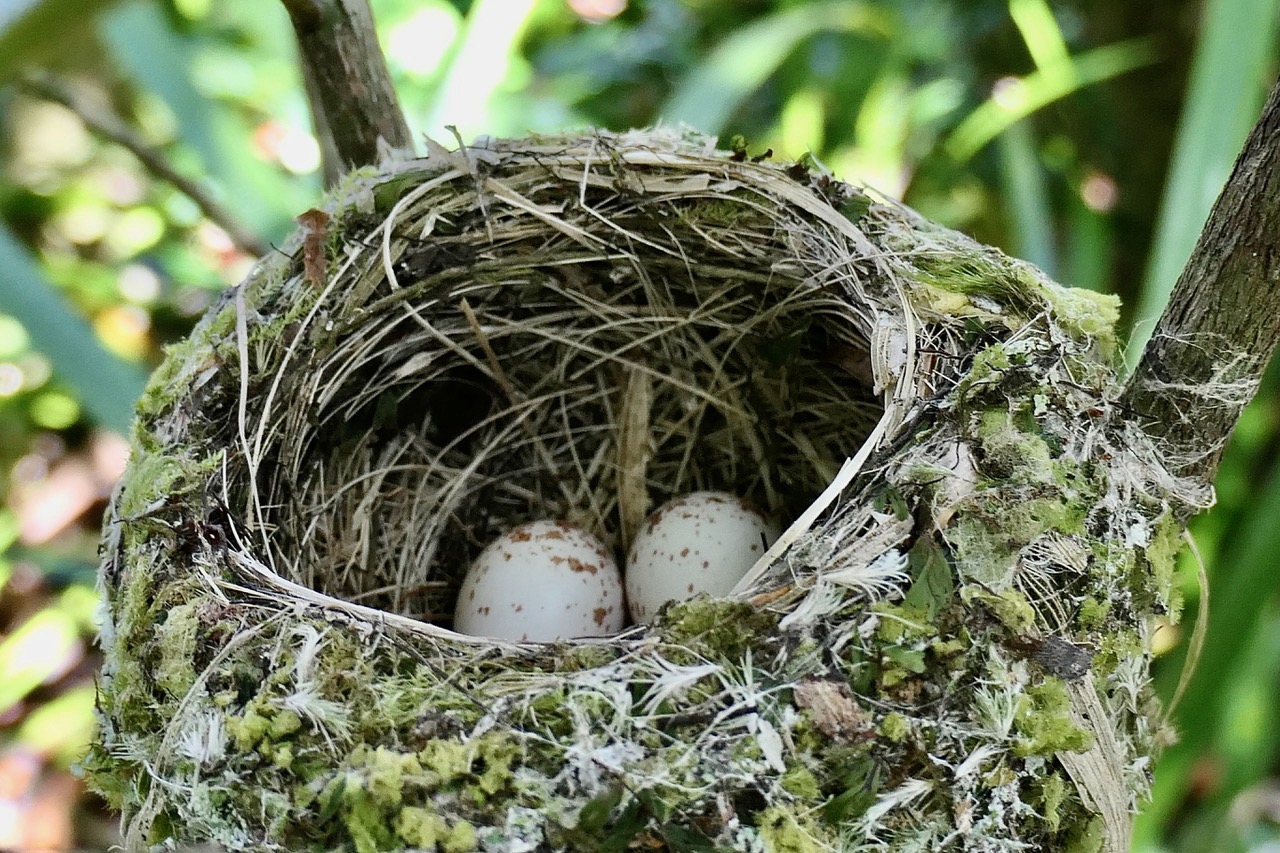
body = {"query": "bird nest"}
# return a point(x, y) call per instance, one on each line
point(947, 647)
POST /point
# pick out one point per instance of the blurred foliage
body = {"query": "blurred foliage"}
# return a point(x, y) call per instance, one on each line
point(1089, 136)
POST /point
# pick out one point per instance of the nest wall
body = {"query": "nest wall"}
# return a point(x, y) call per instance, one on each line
point(948, 647)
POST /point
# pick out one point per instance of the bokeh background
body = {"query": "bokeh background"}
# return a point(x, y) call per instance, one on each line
point(1089, 136)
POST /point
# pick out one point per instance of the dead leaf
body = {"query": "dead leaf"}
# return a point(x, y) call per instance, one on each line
point(315, 225)
point(835, 711)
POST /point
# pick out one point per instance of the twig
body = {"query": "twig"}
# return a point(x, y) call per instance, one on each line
point(109, 126)
point(1198, 633)
point(353, 103)
point(1222, 324)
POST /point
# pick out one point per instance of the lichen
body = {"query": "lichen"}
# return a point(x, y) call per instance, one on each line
point(1010, 453)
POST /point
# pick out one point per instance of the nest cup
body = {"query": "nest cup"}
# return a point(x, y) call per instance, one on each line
point(579, 329)
point(521, 361)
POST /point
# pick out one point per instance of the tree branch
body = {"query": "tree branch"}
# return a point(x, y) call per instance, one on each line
point(109, 126)
point(1212, 344)
point(352, 100)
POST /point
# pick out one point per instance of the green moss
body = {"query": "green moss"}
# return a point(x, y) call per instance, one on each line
point(1000, 776)
point(784, 832)
point(940, 300)
point(902, 623)
point(176, 638)
point(482, 767)
point(159, 479)
point(714, 629)
point(1010, 453)
point(954, 265)
point(579, 658)
point(385, 772)
point(1023, 521)
point(1053, 792)
point(1089, 314)
point(248, 729)
point(1093, 613)
point(720, 211)
point(368, 824)
point(1010, 607)
point(801, 782)
point(989, 365)
point(497, 752)
point(1044, 723)
point(283, 724)
point(1089, 838)
point(401, 775)
point(462, 838)
point(947, 648)
point(445, 761)
point(282, 756)
point(1115, 647)
point(165, 384)
point(894, 727)
point(1162, 553)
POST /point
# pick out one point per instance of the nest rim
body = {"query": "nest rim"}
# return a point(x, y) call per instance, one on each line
point(883, 327)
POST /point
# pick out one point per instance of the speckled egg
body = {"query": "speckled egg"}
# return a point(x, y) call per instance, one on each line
point(702, 542)
point(539, 582)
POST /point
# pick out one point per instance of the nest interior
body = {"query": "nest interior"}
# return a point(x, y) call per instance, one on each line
point(579, 329)
point(655, 344)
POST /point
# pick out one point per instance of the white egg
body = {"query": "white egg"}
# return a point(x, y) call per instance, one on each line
point(703, 542)
point(539, 582)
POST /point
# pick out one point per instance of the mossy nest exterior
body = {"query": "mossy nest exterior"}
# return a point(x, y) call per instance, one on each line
point(947, 648)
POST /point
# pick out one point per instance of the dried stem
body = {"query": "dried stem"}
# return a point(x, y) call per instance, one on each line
point(352, 100)
point(109, 126)
point(1221, 326)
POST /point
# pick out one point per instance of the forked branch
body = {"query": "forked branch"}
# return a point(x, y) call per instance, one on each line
point(352, 100)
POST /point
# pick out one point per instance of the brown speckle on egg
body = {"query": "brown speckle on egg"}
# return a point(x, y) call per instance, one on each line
point(542, 581)
point(702, 542)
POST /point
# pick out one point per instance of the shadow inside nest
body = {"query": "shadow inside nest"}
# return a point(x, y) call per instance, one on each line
point(685, 348)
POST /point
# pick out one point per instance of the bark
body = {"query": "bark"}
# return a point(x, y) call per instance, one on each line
point(352, 100)
point(1209, 350)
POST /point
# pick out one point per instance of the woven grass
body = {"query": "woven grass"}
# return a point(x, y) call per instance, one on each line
point(947, 648)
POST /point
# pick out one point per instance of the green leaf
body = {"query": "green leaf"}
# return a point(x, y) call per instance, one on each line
point(485, 56)
point(26, 27)
point(912, 660)
point(1090, 247)
point(150, 52)
point(107, 385)
point(59, 569)
point(933, 586)
point(630, 824)
point(1022, 180)
point(1040, 31)
point(682, 840)
point(862, 786)
point(595, 814)
point(1020, 97)
point(160, 60)
point(709, 95)
point(1230, 74)
point(33, 652)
